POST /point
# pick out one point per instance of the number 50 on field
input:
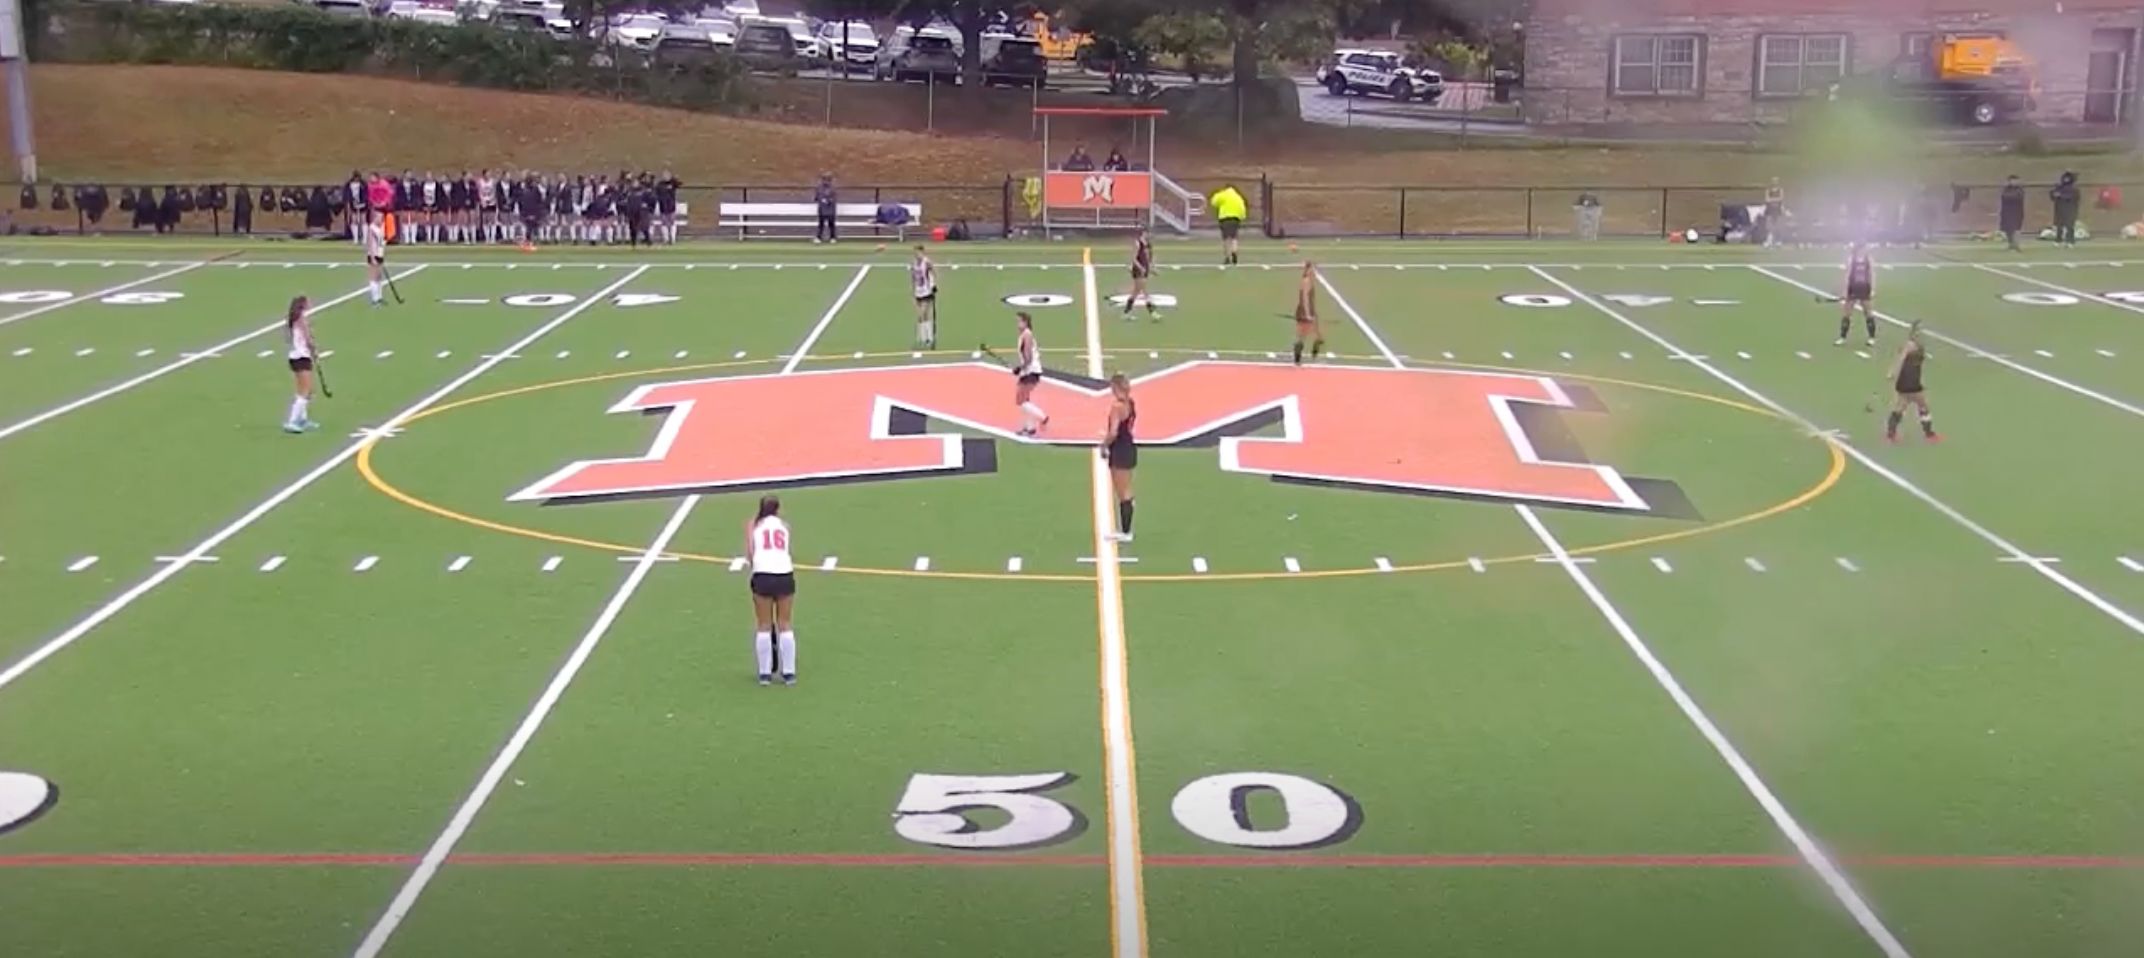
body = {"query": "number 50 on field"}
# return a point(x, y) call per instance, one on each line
point(937, 809)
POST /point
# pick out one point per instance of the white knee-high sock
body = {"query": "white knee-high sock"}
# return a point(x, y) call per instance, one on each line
point(789, 653)
point(297, 409)
point(374, 287)
point(1035, 415)
point(763, 647)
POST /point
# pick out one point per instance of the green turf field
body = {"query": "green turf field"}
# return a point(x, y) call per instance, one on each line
point(1575, 607)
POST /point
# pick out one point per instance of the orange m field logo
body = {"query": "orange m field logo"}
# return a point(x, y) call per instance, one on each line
point(1485, 435)
point(1125, 190)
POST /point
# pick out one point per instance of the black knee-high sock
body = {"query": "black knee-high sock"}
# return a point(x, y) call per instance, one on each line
point(1891, 428)
point(1299, 352)
point(1928, 424)
point(1316, 346)
point(1846, 324)
point(1870, 318)
point(1124, 516)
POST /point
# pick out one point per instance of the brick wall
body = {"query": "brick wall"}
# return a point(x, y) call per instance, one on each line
point(1568, 59)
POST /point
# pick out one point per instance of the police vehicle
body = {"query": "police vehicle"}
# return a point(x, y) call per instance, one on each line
point(1378, 72)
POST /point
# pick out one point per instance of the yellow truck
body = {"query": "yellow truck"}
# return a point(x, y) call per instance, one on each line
point(1972, 79)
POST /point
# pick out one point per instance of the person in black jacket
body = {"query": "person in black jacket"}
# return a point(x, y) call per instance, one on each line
point(2011, 217)
point(666, 204)
point(828, 203)
point(167, 214)
point(633, 212)
point(2065, 197)
point(242, 212)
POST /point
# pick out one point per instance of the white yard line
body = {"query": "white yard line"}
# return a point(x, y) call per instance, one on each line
point(100, 294)
point(185, 359)
point(1990, 355)
point(1811, 853)
point(464, 816)
point(164, 574)
point(436, 855)
point(2068, 584)
point(1127, 892)
point(2043, 284)
point(803, 350)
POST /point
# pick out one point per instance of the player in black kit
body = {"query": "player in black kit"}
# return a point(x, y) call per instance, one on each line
point(666, 206)
point(1906, 382)
point(1860, 288)
point(1142, 271)
point(1121, 448)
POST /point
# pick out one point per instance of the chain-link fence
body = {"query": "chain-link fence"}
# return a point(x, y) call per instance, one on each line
point(1007, 207)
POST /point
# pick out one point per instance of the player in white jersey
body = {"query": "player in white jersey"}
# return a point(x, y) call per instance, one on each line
point(374, 235)
point(774, 589)
point(923, 278)
point(1028, 373)
point(298, 336)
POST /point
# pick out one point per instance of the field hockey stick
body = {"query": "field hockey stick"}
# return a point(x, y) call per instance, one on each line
point(993, 354)
point(389, 275)
point(320, 372)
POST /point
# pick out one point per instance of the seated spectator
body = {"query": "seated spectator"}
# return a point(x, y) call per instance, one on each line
point(1116, 162)
point(1079, 161)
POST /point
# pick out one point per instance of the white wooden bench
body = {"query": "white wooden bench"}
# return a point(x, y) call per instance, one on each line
point(748, 218)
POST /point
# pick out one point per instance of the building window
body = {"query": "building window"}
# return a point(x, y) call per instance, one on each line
point(1799, 64)
point(1657, 65)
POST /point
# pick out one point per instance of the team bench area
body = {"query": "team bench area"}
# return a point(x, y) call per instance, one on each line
point(776, 219)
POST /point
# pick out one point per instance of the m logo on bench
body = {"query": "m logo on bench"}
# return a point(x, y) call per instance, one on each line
point(1467, 434)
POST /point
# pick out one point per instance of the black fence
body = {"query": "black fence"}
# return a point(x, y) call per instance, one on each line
point(1007, 208)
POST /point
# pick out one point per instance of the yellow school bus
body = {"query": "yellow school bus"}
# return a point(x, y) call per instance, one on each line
point(1056, 44)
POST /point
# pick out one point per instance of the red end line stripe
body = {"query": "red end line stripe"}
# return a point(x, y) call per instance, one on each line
point(747, 859)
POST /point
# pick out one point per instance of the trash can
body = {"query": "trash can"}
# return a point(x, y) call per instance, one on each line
point(1501, 83)
point(1587, 216)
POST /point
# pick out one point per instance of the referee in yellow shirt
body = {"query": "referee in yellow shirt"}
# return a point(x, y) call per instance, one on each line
point(1228, 208)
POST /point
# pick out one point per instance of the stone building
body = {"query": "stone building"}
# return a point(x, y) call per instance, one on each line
point(1591, 62)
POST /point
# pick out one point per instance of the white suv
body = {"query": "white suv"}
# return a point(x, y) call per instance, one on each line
point(1376, 71)
point(857, 45)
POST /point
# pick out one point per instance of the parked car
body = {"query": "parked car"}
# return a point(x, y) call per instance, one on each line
point(684, 44)
point(767, 46)
point(722, 33)
point(423, 13)
point(807, 46)
point(343, 8)
point(929, 54)
point(857, 46)
point(740, 9)
point(1014, 61)
point(533, 19)
point(636, 30)
point(1379, 72)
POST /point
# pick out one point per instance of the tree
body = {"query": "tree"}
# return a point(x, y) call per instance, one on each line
point(1191, 37)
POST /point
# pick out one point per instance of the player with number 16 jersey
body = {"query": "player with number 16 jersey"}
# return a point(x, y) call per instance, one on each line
point(774, 589)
